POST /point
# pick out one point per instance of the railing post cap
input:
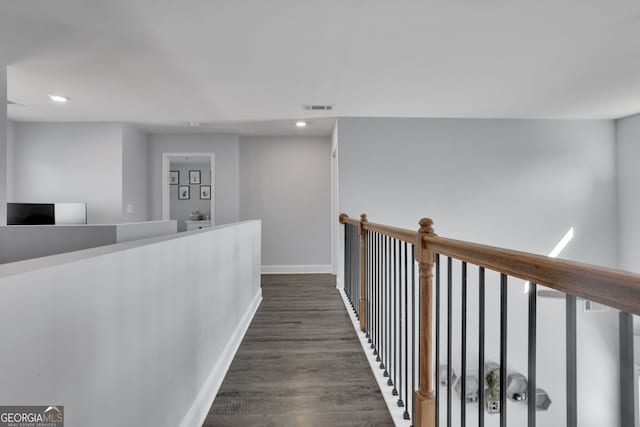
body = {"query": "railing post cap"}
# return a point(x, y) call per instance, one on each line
point(363, 217)
point(343, 217)
point(426, 226)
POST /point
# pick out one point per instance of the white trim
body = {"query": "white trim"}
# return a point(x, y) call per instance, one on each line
point(391, 400)
point(200, 407)
point(296, 269)
point(335, 201)
point(166, 202)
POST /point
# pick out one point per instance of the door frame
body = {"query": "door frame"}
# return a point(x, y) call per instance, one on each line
point(166, 199)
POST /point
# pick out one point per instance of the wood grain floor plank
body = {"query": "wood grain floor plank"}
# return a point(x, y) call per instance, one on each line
point(300, 363)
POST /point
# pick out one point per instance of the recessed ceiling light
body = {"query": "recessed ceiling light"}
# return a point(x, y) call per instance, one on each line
point(301, 124)
point(58, 98)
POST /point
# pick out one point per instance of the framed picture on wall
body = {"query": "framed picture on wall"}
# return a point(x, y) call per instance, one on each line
point(174, 177)
point(205, 192)
point(194, 177)
point(184, 192)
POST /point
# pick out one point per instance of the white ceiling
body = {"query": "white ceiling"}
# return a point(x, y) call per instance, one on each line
point(250, 65)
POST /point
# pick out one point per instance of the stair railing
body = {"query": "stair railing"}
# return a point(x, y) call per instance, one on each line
point(381, 264)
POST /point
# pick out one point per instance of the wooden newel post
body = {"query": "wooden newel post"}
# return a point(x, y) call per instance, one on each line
point(363, 271)
point(425, 396)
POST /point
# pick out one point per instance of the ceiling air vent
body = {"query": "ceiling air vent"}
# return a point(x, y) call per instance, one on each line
point(317, 107)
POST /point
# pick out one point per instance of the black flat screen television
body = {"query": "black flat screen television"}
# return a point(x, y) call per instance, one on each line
point(30, 214)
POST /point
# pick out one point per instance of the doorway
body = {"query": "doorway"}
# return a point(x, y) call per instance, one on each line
point(188, 189)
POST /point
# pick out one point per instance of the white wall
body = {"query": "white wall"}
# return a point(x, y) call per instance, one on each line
point(135, 174)
point(11, 170)
point(515, 183)
point(71, 162)
point(115, 333)
point(286, 181)
point(628, 142)
point(3, 145)
point(512, 183)
point(226, 150)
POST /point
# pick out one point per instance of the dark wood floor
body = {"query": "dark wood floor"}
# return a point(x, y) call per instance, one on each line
point(300, 363)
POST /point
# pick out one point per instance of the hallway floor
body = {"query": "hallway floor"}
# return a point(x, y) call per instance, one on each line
point(300, 363)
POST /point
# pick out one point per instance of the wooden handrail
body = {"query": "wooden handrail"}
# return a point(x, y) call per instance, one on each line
point(395, 232)
point(615, 288)
point(344, 219)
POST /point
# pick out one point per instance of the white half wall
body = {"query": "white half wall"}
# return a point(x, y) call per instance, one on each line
point(226, 152)
point(127, 232)
point(142, 331)
point(628, 143)
point(135, 174)
point(71, 162)
point(4, 159)
point(286, 182)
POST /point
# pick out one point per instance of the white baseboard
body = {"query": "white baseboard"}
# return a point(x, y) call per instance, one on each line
point(200, 408)
point(296, 269)
point(395, 412)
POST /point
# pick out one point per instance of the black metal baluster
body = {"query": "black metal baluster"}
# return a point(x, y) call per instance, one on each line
point(371, 263)
point(449, 340)
point(356, 270)
point(413, 333)
point(481, 347)
point(358, 273)
point(402, 274)
point(626, 371)
point(374, 345)
point(387, 311)
point(379, 306)
point(354, 302)
point(374, 298)
point(531, 371)
point(572, 391)
point(394, 361)
point(463, 364)
point(381, 349)
point(367, 279)
point(405, 415)
point(346, 259)
point(503, 350)
point(350, 267)
point(349, 277)
point(437, 379)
